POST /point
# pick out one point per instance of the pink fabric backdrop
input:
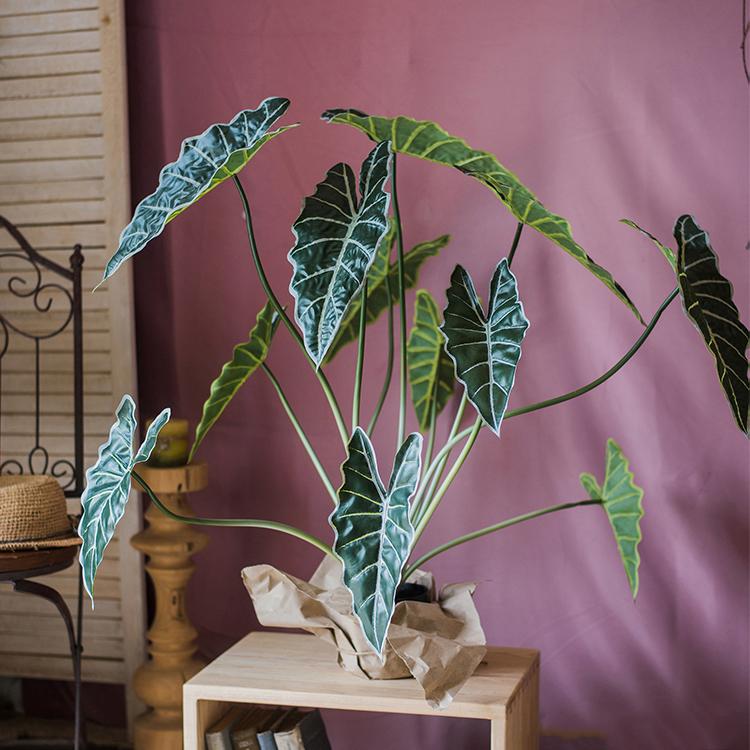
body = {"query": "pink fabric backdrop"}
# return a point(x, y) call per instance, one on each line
point(606, 110)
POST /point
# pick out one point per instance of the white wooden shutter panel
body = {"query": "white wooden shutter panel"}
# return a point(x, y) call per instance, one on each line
point(64, 179)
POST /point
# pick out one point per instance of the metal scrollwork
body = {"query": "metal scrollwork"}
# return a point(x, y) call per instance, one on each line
point(60, 306)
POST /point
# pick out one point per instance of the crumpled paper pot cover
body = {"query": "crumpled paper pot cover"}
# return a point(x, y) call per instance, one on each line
point(440, 643)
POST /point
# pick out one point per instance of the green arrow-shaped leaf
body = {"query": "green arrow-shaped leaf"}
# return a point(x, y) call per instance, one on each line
point(336, 239)
point(427, 140)
point(485, 349)
point(430, 368)
point(666, 251)
point(377, 288)
point(108, 486)
point(622, 500)
point(204, 162)
point(373, 530)
point(707, 298)
point(246, 359)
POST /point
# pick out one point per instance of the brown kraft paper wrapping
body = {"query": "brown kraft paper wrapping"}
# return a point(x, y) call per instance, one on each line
point(440, 643)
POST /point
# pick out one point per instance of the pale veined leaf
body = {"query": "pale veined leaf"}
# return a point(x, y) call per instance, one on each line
point(205, 161)
point(336, 236)
point(707, 297)
point(666, 251)
point(622, 500)
point(430, 368)
point(246, 359)
point(108, 486)
point(485, 348)
point(373, 530)
point(427, 140)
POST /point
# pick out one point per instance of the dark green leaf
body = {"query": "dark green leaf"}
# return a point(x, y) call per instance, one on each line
point(246, 359)
point(373, 530)
point(108, 486)
point(430, 368)
point(427, 140)
point(204, 162)
point(485, 350)
point(622, 500)
point(377, 288)
point(667, 252)
point(707, 297)
point(336, 239)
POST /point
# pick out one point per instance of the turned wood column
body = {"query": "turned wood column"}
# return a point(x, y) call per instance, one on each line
point(172, 644)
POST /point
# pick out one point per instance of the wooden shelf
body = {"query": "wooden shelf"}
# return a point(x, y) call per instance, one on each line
point(301, 670)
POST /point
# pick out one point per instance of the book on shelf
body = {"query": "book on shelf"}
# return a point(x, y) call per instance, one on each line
point(254, 730)
point(260, 727)
point(301, 730)
point(219, 734)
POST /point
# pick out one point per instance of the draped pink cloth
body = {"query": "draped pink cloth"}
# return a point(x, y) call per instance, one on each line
point(605, 110)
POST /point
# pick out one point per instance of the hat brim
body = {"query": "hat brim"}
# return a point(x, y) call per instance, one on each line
point(68, 540)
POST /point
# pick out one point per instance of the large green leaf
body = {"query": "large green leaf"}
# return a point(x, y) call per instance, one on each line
point(485, 349)
point(108, 486)
point(336, 239)
point(622, 500)
point(427, 140)
point(204, 162)
point(246, 359)
point(707, 297)
point(430, 368)
point(666, 251)
point(377, 288)
point(373, 530)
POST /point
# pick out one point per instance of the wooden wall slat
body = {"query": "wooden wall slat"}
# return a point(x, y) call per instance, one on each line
point(50, 44)
point(49, 128)
point(47, 192)
point(50, 65)
point(59, 668)
point(52, 106)
point(61, 21)
point(56, 85)
point(32, 7)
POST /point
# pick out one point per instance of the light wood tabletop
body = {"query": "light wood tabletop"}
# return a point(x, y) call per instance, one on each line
point(301, 670)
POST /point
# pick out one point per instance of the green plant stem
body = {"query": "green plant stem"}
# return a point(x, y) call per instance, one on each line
point(402, 311)
point(247, 522)
point(301, 433)
point(432, 504)
point(440, 459)
point(607, 375)
point(431, 433)
point(389, 361)
point(514, 246)
point(330, 396)
point(356, 399)
point(489, 529)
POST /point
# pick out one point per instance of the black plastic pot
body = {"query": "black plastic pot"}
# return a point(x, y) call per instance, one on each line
point(412, 592)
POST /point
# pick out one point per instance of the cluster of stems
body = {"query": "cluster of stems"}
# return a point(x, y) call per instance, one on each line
point(437, 476)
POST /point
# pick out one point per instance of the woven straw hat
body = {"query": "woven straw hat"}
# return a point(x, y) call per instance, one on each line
point(33, 514)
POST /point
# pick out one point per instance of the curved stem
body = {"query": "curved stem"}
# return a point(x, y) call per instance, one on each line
point(438, 463)
point(607, 375)
point(389, 361)
point(301, 433)
point(514, 246)
point(489, 529)
point(431, 433)
point(402, 311)
point(285, 318)
point(431, 507)
point(357, 397)
point(247, 522)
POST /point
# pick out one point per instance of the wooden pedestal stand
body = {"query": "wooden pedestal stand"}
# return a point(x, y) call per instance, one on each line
point(169, 545)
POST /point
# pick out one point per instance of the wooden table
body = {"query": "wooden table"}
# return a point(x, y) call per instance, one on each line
point(301, 670)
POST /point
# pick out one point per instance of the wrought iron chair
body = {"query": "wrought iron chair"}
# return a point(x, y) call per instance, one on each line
point(29, 283)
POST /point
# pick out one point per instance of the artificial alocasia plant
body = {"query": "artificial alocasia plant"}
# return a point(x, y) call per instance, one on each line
point(344, 278)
